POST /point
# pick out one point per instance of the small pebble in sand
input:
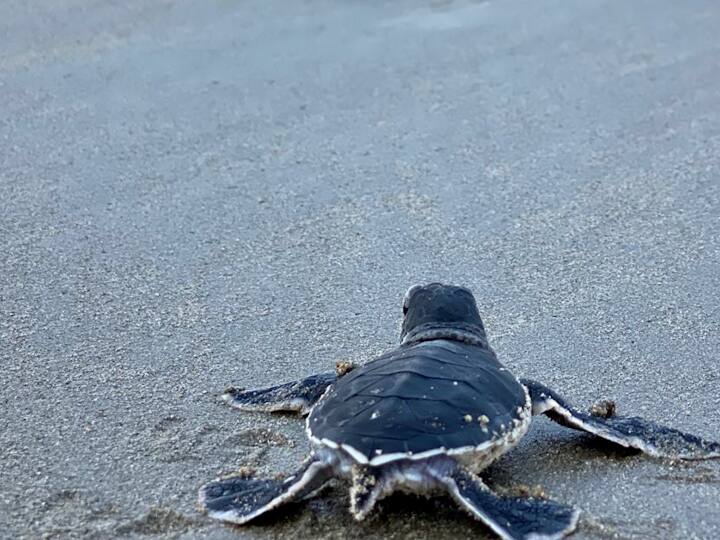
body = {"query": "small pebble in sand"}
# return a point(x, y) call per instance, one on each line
point(605, 408)
point(245, 471)
point(343, 367)
point(242, 472)
point(535, 492)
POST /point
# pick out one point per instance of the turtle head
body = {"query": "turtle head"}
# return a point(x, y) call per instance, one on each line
point(437, 311)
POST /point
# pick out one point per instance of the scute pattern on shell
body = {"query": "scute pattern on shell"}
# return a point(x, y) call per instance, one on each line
point(419, 398)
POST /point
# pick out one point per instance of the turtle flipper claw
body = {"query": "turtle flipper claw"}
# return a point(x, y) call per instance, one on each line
point(241, 498)
point(511, 518)
point(630, 432)
point(298, 396)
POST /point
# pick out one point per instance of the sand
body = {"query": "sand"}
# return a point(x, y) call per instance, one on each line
point(199, 194)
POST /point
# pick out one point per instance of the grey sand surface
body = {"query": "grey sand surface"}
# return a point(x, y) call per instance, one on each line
point(198, 194)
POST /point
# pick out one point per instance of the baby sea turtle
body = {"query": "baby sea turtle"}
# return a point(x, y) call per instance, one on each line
point(425, 417)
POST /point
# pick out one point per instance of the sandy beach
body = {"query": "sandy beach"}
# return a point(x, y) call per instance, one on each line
point(202, 194)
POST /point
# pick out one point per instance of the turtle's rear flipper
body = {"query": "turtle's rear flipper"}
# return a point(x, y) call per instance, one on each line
point(239, 499)
point(298, 396)
point(630, 432)
point(511, 518)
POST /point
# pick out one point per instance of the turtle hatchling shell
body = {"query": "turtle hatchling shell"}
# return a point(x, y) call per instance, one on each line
point(418, 398)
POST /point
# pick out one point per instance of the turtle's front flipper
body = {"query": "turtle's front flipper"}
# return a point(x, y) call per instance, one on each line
point(627, 431)
point(511, 518)
point(298, 396)
point(241, 498)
